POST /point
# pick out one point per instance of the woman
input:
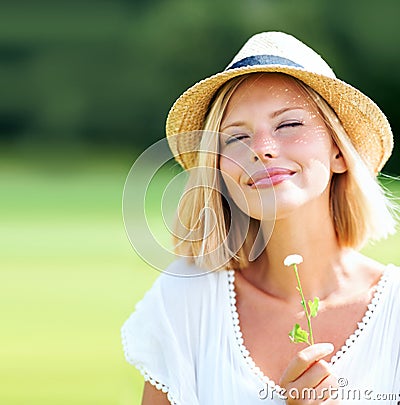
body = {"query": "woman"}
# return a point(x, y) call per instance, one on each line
point(282, 159)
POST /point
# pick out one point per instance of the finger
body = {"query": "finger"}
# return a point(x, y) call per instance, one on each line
point(313, 376)
point(327, 389)
point(303, 360)
point(324, 394)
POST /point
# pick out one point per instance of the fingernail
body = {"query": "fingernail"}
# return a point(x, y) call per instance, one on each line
point(327, 347)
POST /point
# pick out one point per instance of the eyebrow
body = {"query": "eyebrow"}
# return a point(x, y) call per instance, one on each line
point(273, 115)
point(285, 109)
point(234, 124)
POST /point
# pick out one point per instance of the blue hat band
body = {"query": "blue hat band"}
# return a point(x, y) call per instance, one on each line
point(260, 60)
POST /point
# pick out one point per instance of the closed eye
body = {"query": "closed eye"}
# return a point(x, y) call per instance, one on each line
point(290, 124)
point(234, 138)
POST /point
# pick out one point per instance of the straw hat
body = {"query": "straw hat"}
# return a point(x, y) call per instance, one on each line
point(362, 119)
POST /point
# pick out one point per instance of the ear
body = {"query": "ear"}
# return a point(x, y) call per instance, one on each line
point(338, 164)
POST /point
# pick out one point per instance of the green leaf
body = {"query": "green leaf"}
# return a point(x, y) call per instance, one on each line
point(313, 305)
point(298, 335)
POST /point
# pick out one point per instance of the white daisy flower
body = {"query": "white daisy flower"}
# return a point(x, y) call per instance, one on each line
point(293, 259)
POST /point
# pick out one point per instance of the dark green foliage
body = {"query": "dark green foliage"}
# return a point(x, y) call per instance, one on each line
point(107, 72)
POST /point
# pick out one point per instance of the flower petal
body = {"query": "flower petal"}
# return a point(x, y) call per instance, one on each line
point(293, 259)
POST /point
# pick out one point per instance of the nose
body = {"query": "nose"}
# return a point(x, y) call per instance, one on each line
point(264, 146)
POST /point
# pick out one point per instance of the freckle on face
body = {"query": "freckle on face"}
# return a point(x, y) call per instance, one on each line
point(305, 151)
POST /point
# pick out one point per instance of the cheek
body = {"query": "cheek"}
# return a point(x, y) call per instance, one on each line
point(314, 144)
point(230, 167)
point(232, 172)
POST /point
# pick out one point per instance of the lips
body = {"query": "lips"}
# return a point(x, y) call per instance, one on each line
point(269, 177)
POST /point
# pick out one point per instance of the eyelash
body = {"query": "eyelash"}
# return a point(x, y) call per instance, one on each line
point(290, 124)
point(240, 137)
point(235, 138)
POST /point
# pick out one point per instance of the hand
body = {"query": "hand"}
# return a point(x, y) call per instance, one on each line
point(310, 376)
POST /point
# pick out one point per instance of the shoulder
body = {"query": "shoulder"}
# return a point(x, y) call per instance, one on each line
point(182, 301)
point(387, 296)
point(368, 274)
point(387, 281)
point(185, 278)
point(162, 336)
point(182, 290)
point(391, 277)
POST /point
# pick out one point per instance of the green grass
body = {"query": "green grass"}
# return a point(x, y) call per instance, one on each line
point(69, 278)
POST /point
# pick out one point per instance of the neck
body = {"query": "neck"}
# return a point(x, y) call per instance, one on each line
point(311, 236)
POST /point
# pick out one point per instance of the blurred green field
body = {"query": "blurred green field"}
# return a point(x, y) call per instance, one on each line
point(69, 278)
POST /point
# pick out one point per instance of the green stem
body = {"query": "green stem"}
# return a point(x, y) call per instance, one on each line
point(304, 304)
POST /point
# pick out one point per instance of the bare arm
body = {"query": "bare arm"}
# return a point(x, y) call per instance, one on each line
point(153, 396)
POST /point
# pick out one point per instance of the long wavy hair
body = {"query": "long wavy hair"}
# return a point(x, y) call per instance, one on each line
point(213, 232)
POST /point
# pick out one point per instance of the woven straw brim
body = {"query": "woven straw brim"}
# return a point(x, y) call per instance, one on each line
point(364, 122)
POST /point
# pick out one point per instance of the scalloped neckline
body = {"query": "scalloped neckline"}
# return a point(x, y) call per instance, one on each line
point(350, 341)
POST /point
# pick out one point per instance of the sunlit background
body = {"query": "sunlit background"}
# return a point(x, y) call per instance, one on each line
point(85, 88)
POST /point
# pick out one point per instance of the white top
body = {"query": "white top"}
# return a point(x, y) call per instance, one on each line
point(185, 339)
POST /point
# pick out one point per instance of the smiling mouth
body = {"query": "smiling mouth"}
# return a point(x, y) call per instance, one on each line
point(269, 177)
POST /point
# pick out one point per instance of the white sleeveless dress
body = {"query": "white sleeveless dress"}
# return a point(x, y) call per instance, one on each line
point(185, 338)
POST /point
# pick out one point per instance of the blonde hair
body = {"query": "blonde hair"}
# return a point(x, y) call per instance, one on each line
point(205, 231)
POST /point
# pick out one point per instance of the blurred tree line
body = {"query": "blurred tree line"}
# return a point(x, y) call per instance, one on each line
point(106, 72)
